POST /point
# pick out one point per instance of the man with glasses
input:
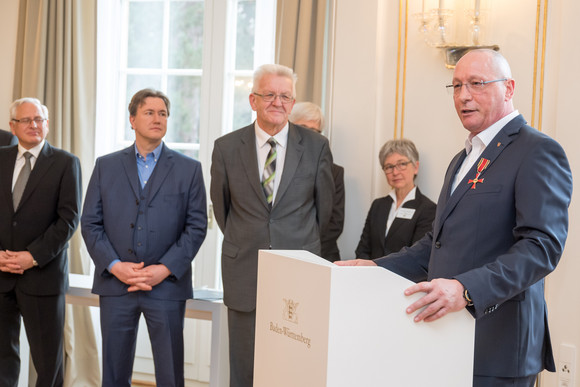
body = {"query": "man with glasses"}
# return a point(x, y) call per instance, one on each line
point(500, 228)
point(271, 188)
point(40, 197)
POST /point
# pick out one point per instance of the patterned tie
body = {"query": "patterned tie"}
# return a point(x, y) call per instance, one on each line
point(21, 181)
point(270, 172)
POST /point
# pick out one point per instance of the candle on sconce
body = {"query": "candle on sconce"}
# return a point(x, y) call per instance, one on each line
point(423, 8)
point(440, 4)
point(477, 7)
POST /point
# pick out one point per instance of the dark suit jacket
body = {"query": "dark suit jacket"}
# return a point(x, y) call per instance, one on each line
point(329, 236)
point(7, 138)
point(45, 220)
point(500, 239)
point(165, 223)
point(403, 232)
point(302, 207)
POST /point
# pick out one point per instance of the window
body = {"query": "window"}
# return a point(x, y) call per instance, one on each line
point(202, 55)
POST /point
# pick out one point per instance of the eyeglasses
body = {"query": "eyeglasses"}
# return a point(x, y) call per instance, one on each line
point(270, 97)
point(474, 87)
point(28, 121)
point(401, 166)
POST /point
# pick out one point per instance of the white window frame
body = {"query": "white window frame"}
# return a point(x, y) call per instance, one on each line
point(218, 60)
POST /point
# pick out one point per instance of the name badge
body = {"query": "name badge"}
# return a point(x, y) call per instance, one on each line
point(405, 213)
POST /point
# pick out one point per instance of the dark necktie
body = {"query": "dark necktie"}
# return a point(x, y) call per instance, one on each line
point(270, 172)
point(21, 180)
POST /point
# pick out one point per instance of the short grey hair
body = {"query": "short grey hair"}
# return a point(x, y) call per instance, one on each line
point(139, 98)
point(36, 102)
point(274, 69)
point(402, 146)
point(307, 111)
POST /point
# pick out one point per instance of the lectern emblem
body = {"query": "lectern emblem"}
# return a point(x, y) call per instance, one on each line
point(289, 313)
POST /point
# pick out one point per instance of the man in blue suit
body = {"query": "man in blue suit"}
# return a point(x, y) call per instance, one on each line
point(143, 221)
point(500, 228)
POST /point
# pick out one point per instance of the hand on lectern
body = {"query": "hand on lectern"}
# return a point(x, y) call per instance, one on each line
point(356, 262)
point(443, 296)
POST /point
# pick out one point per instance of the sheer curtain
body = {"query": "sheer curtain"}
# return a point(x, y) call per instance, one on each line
point(56, 63)
point(300, 33)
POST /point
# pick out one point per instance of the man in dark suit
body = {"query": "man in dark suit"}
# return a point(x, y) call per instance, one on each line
point(271, 188)
point(143, 222)
point(310, 116)
point(38, 215)
point(7, 138)
point(500, 228)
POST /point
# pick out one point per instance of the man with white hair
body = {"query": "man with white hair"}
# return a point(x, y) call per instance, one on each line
point(271, 188)
point(40, 199)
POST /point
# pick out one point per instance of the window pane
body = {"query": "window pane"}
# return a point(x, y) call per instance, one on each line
point(136, 82)
point(186, 34)
point(184, 92)
point(145, 34)
point(245, 34)
point(242, 108)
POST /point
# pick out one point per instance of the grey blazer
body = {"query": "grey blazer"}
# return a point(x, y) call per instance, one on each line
point(302, 208)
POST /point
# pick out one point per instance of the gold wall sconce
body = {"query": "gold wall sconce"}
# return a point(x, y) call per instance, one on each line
point(438, 28)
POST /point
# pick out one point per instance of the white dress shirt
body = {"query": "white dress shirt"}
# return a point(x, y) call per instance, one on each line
point(20, 160)
point(475, 145)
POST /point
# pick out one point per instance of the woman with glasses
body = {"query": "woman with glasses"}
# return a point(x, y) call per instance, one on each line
point(405, 215)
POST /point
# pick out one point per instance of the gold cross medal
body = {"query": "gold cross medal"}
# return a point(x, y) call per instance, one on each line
point(483, 163)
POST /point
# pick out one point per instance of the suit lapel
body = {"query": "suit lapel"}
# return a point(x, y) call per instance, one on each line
point(383, 213)
point(162, 170)
point(294, 152)
point(249, 158)
point(41, 167)
point(497, 145)
point(129, 162)
point(7, 163)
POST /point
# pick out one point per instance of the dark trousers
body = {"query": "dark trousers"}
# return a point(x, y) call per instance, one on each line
point(119, 324)
point(241, 328)
point(43, 318)
point(490, 381)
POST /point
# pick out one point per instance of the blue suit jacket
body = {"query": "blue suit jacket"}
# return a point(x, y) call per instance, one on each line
point(171, 227)
point(500, 239)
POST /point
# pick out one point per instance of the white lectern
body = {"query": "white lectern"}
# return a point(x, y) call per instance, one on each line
point(319, 324)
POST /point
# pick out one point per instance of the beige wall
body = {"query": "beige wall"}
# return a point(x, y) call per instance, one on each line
point(8, 25)
point(362, 99)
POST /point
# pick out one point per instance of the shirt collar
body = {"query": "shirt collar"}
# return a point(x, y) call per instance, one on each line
point(35, 151)
point(156, 152)
point(410, 196)
point(488, 134)
point(262, 137)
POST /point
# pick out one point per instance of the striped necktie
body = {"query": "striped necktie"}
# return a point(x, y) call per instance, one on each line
point(270, 172)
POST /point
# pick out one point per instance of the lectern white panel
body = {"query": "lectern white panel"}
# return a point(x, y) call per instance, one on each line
point(318, 324)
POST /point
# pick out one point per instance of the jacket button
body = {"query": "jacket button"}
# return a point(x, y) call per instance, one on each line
point(130, 251)
point(437, 245)
point(132, 225)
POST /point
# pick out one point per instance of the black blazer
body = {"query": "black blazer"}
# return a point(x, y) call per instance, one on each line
point(7, 138)
point(328, 237)
point(44, 221)
point(403, 232)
